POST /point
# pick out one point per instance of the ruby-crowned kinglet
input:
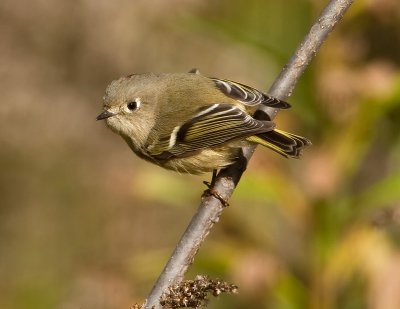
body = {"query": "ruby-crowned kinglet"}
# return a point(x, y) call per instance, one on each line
point(191, 123)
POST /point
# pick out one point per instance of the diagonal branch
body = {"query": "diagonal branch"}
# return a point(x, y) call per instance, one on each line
point(211, 208)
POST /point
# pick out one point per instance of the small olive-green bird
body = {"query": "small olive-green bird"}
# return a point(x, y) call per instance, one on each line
point(191, 123)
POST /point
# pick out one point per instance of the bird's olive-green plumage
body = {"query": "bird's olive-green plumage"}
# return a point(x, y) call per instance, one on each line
point(190, 123)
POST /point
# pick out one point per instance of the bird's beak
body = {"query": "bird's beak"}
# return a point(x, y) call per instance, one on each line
point(104, 115)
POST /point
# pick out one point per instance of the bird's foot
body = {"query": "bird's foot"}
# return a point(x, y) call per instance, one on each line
point(212, 192)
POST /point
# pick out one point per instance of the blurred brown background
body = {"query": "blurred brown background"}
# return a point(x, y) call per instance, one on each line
point(86, 224)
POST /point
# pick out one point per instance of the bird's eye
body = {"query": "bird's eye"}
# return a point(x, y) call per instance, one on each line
point(132, 105)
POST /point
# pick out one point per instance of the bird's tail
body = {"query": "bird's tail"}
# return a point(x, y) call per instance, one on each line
point(287, 144)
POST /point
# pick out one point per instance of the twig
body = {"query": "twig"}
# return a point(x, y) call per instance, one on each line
point(211, 208)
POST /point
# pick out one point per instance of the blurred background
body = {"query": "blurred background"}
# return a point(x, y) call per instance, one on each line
point(86, 224)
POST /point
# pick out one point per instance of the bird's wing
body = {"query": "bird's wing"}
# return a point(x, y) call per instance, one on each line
point(212, 125)
point(248, 95)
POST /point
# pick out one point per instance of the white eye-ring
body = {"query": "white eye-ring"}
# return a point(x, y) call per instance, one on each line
point(133, 105)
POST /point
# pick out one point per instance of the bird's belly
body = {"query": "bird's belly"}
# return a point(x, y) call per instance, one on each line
point(204, 161)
